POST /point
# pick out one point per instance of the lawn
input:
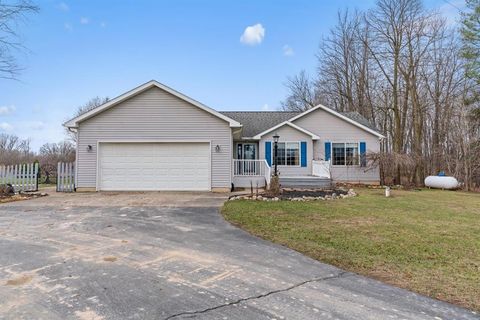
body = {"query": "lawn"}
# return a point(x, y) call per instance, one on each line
point(427, 241)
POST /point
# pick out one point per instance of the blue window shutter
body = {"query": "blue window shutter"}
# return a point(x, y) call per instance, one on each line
point(268, 152)
point(327, 150)
point(363, 154)
point(303, 153)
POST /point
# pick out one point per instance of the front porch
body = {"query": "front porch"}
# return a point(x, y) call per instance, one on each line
point(258, 173)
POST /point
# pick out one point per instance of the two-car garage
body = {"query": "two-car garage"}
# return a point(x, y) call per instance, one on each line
point(153, 138)
point(139, 166)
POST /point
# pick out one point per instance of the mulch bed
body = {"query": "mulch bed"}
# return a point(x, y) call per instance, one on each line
point(299, 195)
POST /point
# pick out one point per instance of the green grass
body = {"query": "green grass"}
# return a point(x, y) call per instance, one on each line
point(427, 241)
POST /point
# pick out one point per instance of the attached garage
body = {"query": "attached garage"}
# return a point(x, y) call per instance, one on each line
point(153, 138)
point(154, 166)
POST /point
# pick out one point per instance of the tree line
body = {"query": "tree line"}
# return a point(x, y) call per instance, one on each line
point(411, 74)
point(15, 150)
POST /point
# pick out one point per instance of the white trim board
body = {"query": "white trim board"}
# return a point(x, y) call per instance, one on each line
point(288, 123)
point(73, 123)
point(341, 116)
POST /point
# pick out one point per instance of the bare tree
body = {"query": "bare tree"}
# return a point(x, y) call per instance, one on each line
point(11, 14)
point(302, 93)
point(61, 151)
point(52, 153)
point(90, 105)
point(403, 68)
point(14, 150)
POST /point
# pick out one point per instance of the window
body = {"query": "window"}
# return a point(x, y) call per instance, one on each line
point(345, 154)
point(288, 153)
point(351, 154)
point(293, 154)
point(338, 154)
point(280, 153)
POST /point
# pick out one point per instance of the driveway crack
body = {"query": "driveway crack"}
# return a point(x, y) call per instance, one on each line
point(260, 296)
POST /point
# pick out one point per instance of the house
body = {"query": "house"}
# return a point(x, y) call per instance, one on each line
point(155, 138)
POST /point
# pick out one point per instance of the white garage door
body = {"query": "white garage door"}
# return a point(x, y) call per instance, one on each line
point(154, 166)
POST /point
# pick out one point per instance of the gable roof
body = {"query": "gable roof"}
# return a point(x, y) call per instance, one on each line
point(73, 123)
point(254, 122)
point(355, 116)
point(343, 116)
point(287, 123)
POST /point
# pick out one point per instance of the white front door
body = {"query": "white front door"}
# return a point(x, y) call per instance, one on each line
point(154, 166)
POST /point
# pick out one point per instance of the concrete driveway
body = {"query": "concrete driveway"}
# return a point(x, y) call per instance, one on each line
point(172, 256)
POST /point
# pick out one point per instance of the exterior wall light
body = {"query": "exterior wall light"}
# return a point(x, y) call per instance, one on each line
point(89, 148)
point(217, 148)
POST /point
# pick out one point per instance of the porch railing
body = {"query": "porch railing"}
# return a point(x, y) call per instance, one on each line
point(268, 174)
point(248, 167)
point(321, 169)
point(251, 168)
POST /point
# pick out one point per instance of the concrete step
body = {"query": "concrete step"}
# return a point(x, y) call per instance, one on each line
point(305, 182)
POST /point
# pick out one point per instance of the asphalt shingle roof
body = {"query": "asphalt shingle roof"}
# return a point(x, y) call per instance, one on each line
point(355, 116)
point(255, 122)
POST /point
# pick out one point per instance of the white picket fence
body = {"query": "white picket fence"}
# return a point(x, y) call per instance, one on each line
point(22, 177)
point(66, 177)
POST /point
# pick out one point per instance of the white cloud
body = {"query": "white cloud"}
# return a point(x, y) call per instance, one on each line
point(4, 110)
point(288, 51)
point(266, 107)
point(63, 6)
point(4, 126)
point(68, 27)
point(84, 20)
point(253, 35)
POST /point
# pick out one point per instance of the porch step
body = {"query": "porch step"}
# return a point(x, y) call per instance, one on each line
point(305, 182)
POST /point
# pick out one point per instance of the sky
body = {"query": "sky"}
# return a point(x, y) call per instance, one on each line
point(229, 55)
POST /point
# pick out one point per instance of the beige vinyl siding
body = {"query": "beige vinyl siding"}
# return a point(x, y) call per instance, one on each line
point(333, 129)
point(289, 134)
point(155, 115)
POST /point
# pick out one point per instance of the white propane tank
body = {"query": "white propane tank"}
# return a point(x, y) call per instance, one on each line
point(441, 182)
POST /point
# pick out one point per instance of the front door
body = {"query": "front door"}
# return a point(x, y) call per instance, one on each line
point(247, 151)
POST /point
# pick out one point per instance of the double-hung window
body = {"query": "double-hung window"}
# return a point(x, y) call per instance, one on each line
point(345, 154)
point(288, 153)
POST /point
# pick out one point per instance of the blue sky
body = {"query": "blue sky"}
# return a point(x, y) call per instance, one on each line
point(82, 49)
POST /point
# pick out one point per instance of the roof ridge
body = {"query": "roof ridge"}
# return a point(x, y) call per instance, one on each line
point(262, 111)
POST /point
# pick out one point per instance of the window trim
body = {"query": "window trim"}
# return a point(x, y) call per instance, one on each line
point(286, 165)
point(345, 150)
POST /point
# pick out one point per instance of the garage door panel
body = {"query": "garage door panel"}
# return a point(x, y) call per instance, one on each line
point(154, 166)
